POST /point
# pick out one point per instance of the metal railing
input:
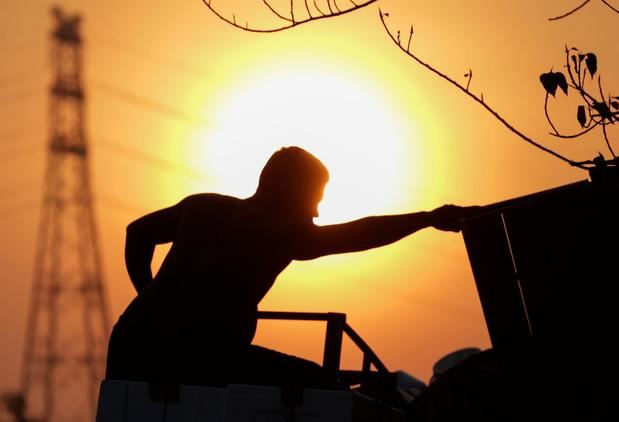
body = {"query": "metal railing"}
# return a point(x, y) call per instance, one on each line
point(336, 328)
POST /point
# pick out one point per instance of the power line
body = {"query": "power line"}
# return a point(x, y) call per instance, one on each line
point(17, 209)
point(148, 103)
point(21, 45)
point(172, 63)
point(8, 100)
point(154, 160)
point(12, 153)
point(18, 132)
point(19, 187)
point(120, 205)
point(18, 76)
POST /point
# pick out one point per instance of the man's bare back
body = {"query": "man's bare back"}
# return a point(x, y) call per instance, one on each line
point(224, 258)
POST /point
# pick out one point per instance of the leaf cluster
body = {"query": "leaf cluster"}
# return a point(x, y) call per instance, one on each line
point(596, 108)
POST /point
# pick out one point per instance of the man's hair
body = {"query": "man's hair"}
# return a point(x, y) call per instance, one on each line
point(289, 169)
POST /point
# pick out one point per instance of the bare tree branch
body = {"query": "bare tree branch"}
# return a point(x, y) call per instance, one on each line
point(555, 131)
point(292, 20)
point(329, 6)
point(575, 135)
point(469, 76)
point(610, 120)
point(276, 13)
point(583, 4)
point(410, 37)
point(336, 6)
point(308, 9)
point(608, 141)
point(318, 8)
point(565, 15)
point(477, 99)
point(614, 9)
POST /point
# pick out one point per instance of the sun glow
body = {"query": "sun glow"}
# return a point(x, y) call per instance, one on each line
point(347, 123)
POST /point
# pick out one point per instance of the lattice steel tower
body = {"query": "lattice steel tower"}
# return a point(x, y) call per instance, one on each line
point(67, 328)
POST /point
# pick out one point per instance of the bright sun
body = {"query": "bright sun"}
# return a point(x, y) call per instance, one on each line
point(346, 123)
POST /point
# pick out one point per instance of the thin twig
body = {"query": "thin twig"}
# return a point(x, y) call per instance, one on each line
point(600, 88)
point(290, 24)
point(614, 9)
point(410, 36)
point(309, 13)
point(576, 85)
point(275, 12)
point(478, 100)
point(608, 141)
point(575, 135)
point(329, 6)
point(292, 10)
point(469, 76)
point(610, 120)
point(318, 8)
point(556, 132)
point(565, 15)
point(336, 6)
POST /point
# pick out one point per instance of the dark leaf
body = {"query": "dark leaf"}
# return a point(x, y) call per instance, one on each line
point(615, 105)
point(581, 57)
point(603, 109)
point(581, 115)
point(592, 63)
point(575, 60)
point(549, 82)
point(561, 81)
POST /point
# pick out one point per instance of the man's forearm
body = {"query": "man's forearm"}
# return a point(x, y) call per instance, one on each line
point(372, 232)
point(359, 235)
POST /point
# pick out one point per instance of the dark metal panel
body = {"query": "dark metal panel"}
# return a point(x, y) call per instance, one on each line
point(496, 281)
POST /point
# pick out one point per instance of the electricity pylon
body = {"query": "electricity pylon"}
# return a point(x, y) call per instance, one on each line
point(67, 329)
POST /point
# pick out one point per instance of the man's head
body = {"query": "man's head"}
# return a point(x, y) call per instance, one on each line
point(292, 182)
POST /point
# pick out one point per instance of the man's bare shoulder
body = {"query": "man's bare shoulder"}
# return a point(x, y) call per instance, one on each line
point(210, 199)
point(208, 209)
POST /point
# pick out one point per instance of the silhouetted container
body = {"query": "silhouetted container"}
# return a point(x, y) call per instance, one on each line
point(546, 266)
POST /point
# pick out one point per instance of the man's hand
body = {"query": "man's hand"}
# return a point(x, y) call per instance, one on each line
point(449, 217)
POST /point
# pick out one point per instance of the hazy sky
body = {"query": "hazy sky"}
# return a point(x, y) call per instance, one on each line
point(179, 102)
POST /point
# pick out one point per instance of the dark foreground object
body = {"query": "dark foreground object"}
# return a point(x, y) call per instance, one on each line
point(530, 384)
point(546, 271)
point(175, 360)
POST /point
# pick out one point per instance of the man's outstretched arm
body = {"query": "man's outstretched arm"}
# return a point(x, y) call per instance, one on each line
point(372, 232)
point(142, 236)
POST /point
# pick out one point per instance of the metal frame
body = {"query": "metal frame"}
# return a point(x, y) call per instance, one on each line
point(335, 330)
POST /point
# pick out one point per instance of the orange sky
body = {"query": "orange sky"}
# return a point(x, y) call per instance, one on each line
point(374, 114)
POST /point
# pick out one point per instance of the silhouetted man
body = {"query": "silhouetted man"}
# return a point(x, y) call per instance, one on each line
point(194, 322)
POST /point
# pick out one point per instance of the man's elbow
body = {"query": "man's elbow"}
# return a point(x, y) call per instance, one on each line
point(134, 234)
point(133, 228)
